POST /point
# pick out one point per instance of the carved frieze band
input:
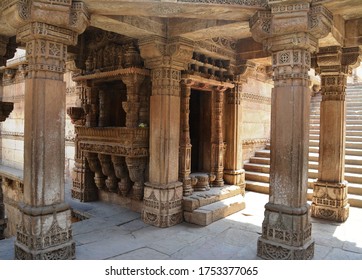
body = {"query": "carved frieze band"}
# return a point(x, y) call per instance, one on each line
point(114, 150)
point(255, 98)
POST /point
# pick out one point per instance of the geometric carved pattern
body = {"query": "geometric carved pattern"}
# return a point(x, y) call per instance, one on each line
point(163, 206)
point(270, 251)
point(55, 244)
point(330, 201)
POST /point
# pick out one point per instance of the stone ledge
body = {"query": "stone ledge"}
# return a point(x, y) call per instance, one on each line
point(210, 213)
point(199, 199)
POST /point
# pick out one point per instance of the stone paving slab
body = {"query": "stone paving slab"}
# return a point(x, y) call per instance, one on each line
point(113, 232)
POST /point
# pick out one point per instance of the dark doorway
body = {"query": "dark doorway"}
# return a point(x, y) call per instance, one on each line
point(200, 130)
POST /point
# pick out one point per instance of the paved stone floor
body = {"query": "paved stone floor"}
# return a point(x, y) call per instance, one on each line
point(113, 232)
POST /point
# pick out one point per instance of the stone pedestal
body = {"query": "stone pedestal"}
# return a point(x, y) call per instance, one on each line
point(286, 229)
point(330, 190)
point(163, 191)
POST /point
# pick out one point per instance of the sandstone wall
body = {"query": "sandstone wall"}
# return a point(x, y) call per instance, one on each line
point(256, 109)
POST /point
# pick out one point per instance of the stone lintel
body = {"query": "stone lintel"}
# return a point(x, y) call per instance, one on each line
point(162, 204)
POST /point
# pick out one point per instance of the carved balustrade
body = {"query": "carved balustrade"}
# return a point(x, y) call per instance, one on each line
point(117, 156)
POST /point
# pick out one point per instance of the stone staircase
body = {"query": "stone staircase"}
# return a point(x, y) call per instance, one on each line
point(257, 169)
point(205, 207)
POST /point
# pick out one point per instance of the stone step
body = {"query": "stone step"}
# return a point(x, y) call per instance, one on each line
point(263, 153)
point(215, 194)
point(353, 133)
point(259, 160)
point(256, 167)
point(355, 200)
point(314, 137)
point(259, 187)
point(210, 213)
point(353, 178)
point(353, 160)
point(258, 177)
point(354, 188)
point(353, 138)
point(354, 121)
point(353, 127)
point(313, 149)
point(353, 152)
point(349, 144)
point(313, 156)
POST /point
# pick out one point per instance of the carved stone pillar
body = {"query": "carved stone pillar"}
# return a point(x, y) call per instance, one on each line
point(44, 230)
point(234, 173)
point(83, 187)
point(217, 140)
point(185, 141)
point(290, 31)
point(330, 190)
point(132, 105)
point(163, 192)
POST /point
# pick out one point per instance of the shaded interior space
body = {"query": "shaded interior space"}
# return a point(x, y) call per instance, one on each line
point(200, 130)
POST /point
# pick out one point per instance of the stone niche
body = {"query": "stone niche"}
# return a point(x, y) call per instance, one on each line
point(111, 119)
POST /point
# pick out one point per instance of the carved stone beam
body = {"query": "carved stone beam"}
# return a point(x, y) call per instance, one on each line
point(197, 30)
point(131, 26)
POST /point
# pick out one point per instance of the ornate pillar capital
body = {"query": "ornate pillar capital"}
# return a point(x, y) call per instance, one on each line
point(159, 52)
point(335, 59)
point(334, 63)
point(70, 14)
point(291, 25)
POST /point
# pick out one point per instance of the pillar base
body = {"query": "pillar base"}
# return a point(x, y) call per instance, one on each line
point(286, 233)
point(235, 177)
point(45, 233)
point(271, 250)
point(330, 201)
point(162, 204)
